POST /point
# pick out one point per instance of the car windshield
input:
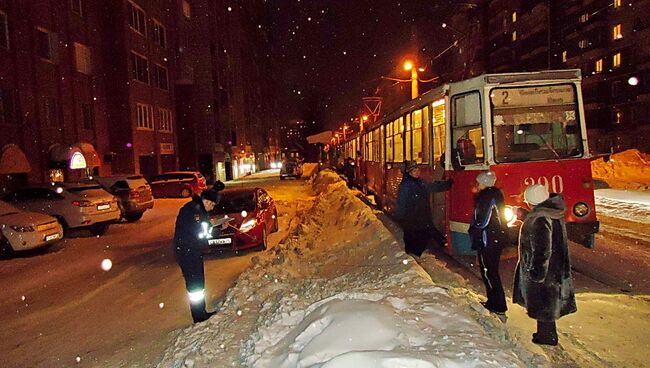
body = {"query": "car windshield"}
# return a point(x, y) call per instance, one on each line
point(83, 188)
point(7, 209)
point(137, 182)
point(235, 202)
point(535, 123)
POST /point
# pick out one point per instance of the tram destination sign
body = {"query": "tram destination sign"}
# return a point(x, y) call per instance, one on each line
point(533, 96)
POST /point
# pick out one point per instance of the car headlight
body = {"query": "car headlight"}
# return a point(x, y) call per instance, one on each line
point(22, 229)
point(247, 225)
point(581, 209)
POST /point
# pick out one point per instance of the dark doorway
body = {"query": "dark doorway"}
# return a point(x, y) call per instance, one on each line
point(148, 167)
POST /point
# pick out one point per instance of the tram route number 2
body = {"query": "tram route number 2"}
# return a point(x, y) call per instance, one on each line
point(555, 185)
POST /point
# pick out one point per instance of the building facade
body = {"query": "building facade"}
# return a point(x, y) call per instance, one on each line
point(102, 87)
point(609, 40)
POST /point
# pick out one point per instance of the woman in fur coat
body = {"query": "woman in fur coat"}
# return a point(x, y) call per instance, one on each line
point(543, 283)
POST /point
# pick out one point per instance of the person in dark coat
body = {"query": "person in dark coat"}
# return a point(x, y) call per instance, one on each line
point(543, 283)
point(191, 235)
point(349, 171)
point(413, 210)
point(488, 234)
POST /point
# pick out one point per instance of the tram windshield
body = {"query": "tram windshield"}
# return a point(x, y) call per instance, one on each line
point(535, 123)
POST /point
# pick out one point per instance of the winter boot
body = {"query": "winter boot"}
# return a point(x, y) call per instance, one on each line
point(546, 334)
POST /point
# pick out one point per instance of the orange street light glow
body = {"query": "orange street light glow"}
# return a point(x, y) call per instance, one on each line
point(408, 65)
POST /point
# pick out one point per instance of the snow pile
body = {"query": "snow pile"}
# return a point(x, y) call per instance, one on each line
point(344, 298)
point(625, 170)
point(309, 169)
point(623, 204)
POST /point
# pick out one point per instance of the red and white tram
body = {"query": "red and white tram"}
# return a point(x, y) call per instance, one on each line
point(526, 127)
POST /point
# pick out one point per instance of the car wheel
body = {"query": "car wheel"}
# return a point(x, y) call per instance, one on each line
point(264, 240)
point(64, 225)
point(185, 193)
point(99, 229)
point(131, 217)
point(276, 225)
point(6, 251)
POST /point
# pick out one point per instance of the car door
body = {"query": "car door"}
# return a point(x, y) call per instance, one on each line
point(263, 208)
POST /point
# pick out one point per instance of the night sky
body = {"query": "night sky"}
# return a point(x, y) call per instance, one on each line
point(329, 54)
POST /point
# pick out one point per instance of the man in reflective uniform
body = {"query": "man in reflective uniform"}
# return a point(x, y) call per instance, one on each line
point(193, 229)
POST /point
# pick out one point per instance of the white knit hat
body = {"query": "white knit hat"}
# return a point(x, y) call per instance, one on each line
point(536, 194)
point(487, 178)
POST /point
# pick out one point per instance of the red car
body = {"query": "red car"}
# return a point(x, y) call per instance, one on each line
point(177, 184)
point(253, 214)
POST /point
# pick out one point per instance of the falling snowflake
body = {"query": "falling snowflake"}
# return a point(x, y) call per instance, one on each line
point(107, 264)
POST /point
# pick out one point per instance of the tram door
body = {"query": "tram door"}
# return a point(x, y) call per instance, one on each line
point(438, 133)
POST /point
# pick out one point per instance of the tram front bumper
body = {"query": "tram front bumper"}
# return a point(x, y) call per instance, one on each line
point(583, 233)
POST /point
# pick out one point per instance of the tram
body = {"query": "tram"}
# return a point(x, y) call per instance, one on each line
point(528, 128)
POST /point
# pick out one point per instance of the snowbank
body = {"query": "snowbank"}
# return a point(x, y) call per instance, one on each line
point(625, 170)
point(339, 292)
point(309, 169)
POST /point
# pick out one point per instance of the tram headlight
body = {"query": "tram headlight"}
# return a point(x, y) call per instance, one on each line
point(510, 214)
point(581, 209)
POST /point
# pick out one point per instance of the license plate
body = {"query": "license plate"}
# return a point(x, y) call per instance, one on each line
point(220, 241)
point(51, 237)
point(103, 206)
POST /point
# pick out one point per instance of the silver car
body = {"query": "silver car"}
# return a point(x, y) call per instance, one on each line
point(21, 230)
point(75, 205)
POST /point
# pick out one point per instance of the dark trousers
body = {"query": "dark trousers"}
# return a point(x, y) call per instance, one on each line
point(546, 333)
point(416, 241)
point(194, 275)
point(488, 259)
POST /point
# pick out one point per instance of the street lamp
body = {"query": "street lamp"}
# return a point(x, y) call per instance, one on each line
point(345, 127)
point(408, 65)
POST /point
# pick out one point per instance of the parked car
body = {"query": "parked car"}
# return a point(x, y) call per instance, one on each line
point(75, 205)
point(290, 168)
point(21, 230)
point(177, 184)
point(133, 193)
point(253, 214)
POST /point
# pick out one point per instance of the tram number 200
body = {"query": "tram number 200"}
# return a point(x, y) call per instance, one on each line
point(555, 185)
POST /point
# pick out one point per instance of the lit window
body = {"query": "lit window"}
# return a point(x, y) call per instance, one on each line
point(137, 19)
point(82, 58)
point(583, 44)
point(616, 32)
point(514, 35)
point(187, 12)
point(617, 3)
point(564, 54)
point(144, 116)
point(619, 117)
point(599, 65)
point(514, 17)
point(616, 60)
point(584, 17)
point(4, 30)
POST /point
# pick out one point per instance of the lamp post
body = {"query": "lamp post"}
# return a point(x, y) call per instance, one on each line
point(345, 127)
point(408, 65)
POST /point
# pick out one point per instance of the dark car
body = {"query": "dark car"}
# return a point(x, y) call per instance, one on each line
point(133, 194)
point(177, 184)
point(253, 214)
point(290, 168)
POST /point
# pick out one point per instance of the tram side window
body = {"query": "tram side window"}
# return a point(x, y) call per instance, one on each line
point(408, 139)
point(398, 141)
point(379, 153)
point(467, 134)
point(420, 124)
point(389, 142)
point(439, 120)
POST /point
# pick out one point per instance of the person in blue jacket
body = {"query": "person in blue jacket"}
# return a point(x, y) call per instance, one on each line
point(193, 229)
point(488, 234)
point(413, 210)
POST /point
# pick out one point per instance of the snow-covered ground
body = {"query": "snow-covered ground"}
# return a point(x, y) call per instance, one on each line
point(623, 204)
point(339, 291)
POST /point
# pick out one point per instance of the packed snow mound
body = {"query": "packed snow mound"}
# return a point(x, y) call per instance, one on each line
point(309, 169)
point(625, 170)
point(339, 292)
